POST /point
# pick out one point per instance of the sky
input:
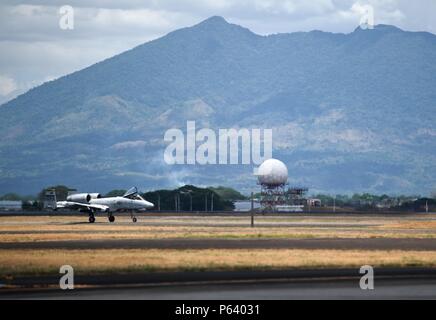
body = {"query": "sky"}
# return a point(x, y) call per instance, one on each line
point(35, 46)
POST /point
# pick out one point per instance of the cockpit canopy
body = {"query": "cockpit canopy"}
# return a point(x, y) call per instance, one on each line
point(132, 193)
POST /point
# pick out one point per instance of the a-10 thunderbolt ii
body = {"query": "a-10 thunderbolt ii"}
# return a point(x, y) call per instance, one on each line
point(92, 202)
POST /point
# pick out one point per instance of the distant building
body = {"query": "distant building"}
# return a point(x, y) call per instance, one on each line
point(245, 205)
point(314, 202)
point(290, 208)
point(10, 205)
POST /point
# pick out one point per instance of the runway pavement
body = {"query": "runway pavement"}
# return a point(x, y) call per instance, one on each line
point(279, 284)
point(183, 278)
point(328, 243)
point(347, 289)
point(384, 289)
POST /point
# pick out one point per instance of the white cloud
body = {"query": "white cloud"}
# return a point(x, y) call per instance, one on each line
point(129, 145)
point(26, 10)
point(292, 7)
point(34, 47)
point(332, 117)
point(7, 85)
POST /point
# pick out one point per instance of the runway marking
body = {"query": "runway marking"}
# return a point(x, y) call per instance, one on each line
point(327, 243)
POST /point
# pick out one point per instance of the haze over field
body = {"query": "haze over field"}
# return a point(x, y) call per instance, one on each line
point(349, 112)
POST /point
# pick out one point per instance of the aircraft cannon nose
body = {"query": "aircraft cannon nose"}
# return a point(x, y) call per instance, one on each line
point(148, 205)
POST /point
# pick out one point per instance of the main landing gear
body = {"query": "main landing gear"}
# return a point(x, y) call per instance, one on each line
point(111, 218)
point(91, 218)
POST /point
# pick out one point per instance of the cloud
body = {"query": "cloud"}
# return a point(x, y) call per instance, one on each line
point(7, 85)
point(333, 116)
point(129, 145)
point(425, 132)
point(34, 47)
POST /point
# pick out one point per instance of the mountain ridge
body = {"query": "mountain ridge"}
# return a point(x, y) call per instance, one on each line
point(333, 114)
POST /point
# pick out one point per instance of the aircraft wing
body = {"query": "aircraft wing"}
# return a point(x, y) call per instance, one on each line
point(78, 205)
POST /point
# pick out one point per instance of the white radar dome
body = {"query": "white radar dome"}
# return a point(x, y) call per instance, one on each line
point(272, 172)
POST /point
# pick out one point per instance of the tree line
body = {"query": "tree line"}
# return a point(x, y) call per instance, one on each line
point(189, 197)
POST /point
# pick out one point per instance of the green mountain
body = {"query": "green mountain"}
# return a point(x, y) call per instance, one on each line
point(349, 112)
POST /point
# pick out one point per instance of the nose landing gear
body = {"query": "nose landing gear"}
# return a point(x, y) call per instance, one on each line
point(133, 217)
point(111, 218)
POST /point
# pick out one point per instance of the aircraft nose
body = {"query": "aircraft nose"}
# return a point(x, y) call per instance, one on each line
point(149, 204)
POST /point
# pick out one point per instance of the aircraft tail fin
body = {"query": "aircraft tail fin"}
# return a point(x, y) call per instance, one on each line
point(50, 199)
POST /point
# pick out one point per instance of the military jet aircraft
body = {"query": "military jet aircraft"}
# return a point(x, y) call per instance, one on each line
point(93, 202)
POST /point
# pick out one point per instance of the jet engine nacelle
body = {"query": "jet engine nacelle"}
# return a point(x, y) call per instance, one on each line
point(79, 197)
point(95, 195)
